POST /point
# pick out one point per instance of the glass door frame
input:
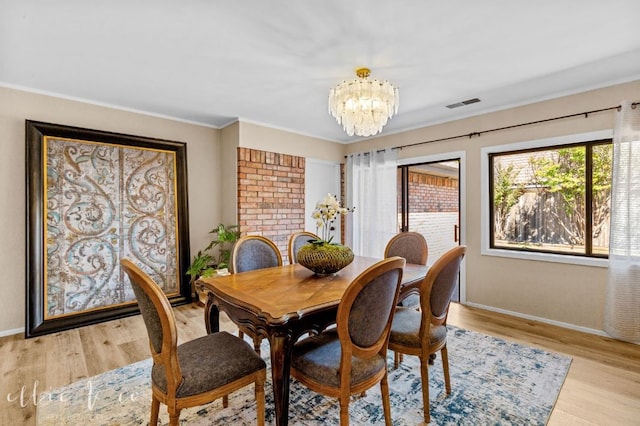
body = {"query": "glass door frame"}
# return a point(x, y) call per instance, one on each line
point(438, 158)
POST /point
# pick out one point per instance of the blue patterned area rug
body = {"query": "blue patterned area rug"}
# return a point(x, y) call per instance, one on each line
point(494, 382)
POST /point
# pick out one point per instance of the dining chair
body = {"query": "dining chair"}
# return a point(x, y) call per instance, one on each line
point(195, 372)
point(413, 247)
point(351, 357)
point(410, 245)
point(424, 332)
point(297, 240)
point(249, 253)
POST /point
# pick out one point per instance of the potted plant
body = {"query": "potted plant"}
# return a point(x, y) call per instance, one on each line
point(215, 257)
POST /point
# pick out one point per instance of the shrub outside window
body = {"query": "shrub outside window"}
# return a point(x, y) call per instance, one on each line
point(553, 199)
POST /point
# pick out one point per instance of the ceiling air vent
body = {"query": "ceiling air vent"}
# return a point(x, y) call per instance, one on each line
point(463, 103)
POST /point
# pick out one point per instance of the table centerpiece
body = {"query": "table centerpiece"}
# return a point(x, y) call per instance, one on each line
point(321, 255)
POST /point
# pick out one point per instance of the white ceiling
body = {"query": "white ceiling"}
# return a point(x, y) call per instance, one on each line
point(272, 62)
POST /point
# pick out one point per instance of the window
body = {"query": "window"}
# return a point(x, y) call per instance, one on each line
point(552, 199)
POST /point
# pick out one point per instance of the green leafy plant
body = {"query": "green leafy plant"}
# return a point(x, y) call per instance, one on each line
point(506, 193)
point(217, 254)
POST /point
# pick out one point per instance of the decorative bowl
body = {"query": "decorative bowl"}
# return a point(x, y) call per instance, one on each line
point(324, 258)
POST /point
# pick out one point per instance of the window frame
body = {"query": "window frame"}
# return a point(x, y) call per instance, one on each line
point(487, 204)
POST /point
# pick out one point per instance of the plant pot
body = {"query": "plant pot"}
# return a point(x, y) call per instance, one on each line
point(323, 258)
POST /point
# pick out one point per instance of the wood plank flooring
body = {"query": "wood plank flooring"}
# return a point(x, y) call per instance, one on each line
point(602, 387)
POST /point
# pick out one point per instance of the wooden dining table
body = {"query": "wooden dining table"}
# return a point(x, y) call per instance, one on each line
point(283, 303)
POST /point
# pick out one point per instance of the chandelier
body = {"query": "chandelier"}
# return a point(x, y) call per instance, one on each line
point(363, 106)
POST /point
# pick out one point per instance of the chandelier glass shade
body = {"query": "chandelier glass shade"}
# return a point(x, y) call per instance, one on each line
point(363, 106)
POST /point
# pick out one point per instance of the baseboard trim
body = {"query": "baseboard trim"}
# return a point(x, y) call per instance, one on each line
point(539, 319)
point(4, 333)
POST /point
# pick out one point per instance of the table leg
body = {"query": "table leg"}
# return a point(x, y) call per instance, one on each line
point(281, 348)
point(211, 317)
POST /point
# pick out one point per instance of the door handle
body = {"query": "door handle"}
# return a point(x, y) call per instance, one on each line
point(456, 228)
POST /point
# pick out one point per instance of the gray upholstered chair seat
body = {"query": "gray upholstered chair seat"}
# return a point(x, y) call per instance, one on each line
point(318, 358)
point(405, 329)
point(234, 359)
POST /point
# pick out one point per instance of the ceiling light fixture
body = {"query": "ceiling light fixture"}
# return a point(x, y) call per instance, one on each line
point(363, 106)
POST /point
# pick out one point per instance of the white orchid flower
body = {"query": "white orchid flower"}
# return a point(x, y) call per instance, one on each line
point(325, 213)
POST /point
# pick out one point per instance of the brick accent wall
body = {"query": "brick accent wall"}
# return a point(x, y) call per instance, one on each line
point(270, 195)
point(429, 193)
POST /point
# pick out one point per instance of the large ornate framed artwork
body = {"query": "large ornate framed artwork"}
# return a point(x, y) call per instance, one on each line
point(93, 198)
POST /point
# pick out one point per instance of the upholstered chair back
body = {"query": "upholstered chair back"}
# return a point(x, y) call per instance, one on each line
point(160, 322)
point(297, 240)
point(372, 307)
point(253, 252)
point(410, 245)
point(442, 278)
point(369, 303)
point(148, 309)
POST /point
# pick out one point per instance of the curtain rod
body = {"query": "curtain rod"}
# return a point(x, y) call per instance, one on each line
point(378, 151)
point(472, 134)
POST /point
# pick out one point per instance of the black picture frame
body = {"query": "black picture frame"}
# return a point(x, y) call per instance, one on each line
point(39, 321)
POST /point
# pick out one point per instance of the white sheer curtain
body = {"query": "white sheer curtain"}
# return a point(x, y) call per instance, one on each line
point(622, 309)
point(371, 186)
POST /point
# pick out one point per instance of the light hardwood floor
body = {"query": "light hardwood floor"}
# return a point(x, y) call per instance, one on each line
point(602, 387)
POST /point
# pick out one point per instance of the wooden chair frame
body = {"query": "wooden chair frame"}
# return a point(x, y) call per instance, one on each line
point(349, 348)
point(388, 250)
point(242, 240)
point(168, 357)
point(427, 319)
point(257, 339)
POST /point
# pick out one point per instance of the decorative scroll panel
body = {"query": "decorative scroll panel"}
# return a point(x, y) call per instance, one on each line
point(101, 197)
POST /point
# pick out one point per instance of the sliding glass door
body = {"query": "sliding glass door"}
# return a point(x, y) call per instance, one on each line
point(429, 203)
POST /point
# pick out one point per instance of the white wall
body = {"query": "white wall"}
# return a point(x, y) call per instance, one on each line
point(437, 228)
point(321, 178)
point(274, 140)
